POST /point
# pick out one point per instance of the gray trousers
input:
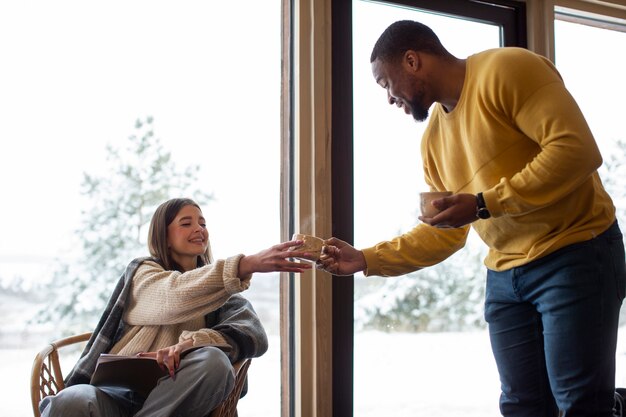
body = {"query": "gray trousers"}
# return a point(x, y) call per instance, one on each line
point(203, 380)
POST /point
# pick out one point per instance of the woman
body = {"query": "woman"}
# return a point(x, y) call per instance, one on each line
point(176, 299)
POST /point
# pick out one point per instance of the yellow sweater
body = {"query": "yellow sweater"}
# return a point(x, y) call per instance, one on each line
point(166, 307)
point(518, 136)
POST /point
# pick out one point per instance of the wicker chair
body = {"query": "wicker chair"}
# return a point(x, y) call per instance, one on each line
point(47, 378)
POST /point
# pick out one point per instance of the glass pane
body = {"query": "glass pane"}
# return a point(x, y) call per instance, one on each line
point(75, 76)
point(438, 363)
point(595, 79)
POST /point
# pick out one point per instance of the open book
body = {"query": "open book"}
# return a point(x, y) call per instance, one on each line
point(137, 373)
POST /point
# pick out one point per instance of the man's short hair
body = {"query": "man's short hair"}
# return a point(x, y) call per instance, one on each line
point(405, 35)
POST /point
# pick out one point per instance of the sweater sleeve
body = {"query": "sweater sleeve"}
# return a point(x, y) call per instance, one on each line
point(160, 297)
point(421, 247)
point(543, 109)
point(203, 337)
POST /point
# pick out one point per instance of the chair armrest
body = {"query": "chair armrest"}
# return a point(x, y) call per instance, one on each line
point(46, 376)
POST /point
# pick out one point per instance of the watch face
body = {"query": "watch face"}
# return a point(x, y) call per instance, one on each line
point(483, 213)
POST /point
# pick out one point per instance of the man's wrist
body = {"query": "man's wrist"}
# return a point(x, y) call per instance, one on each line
point(363, 262)
point(482, 212)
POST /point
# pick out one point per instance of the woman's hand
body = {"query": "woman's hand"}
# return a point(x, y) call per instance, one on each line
point(277, 258)
point(169, 357)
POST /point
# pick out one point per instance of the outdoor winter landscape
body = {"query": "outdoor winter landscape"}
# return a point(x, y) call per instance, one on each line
point(152, 94)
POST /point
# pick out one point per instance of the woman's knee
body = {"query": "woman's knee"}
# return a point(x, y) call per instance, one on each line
point(76, 400)
point(204, 379)
point(211, 359)
point(212, 366)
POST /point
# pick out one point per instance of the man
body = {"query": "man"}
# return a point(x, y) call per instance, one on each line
point(511, 143)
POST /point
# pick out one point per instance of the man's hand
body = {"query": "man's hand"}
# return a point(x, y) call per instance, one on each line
point(456, 211)
point(340, 258)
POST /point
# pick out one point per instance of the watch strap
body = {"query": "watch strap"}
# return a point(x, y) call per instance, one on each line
point(481, 208)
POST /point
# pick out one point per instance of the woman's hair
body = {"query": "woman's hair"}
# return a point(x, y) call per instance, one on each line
point(405, 35)
point(157, 234)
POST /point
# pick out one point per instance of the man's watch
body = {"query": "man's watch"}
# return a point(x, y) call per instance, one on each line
point(481, 208)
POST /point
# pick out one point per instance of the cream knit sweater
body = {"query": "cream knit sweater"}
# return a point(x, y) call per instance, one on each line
point(166, 307)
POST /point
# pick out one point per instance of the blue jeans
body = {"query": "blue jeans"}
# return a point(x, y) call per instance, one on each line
point(553, 329)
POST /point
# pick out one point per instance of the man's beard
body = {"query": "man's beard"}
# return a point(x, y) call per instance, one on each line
point(418, 112)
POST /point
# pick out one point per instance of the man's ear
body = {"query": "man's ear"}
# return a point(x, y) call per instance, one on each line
point(412, 60)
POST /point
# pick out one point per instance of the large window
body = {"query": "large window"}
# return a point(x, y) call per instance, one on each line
point(419, 337)
point(76, 76)
point(404, 363)
point(595, 82)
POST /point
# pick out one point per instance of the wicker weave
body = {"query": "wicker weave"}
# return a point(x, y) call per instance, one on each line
point(47, 378)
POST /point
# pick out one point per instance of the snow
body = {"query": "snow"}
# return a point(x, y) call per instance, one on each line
point(428, 374)
point(425, 374)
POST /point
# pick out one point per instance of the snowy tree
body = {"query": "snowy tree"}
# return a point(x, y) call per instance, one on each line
point(445, 297)
point(113, 228)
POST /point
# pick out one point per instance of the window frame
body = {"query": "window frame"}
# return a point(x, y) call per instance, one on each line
point(318, 380)
point(511, 17)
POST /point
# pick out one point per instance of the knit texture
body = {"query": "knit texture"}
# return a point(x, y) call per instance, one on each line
point(163, 304)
